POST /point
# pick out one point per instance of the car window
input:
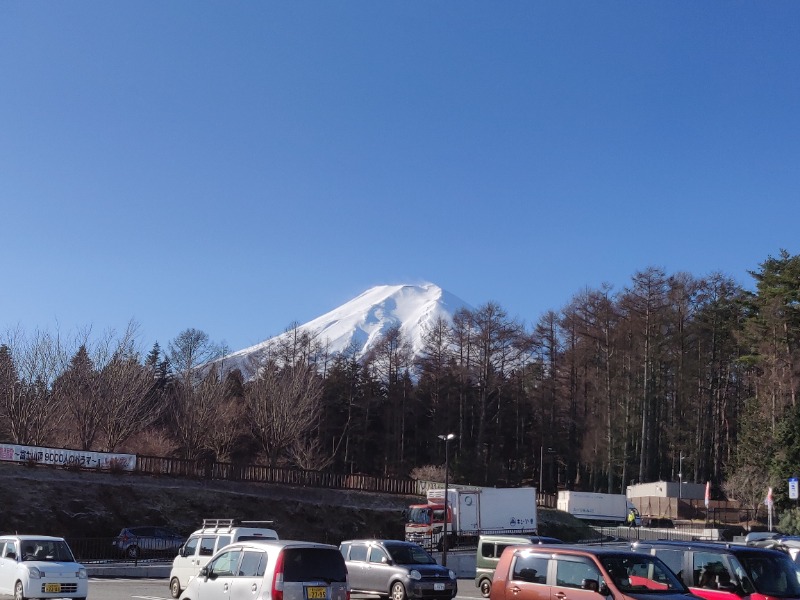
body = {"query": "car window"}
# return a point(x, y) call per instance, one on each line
point(571, 571)
point(376, 555)
point(253, 564)
point(207, 546)
point(225, 565)
point(11, 549)
point(313, 564)
point(164, 533)
point(531, 568)
point(673, 559)
point(499, 550)
point(358, 552)
point(640, 573)
point(487, 550)
point(344, 549)
point(770, 575)
point(223, 541)
point(190, 546)
point(709, 570)
point(409, 554)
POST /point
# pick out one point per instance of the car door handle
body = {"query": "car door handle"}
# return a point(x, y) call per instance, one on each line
point(561, 595)
point(254, 587)
point(515, 590)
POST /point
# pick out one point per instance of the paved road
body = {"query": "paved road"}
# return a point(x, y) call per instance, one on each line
point(156, 589)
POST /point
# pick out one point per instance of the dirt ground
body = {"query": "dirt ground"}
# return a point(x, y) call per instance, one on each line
point(75, 504)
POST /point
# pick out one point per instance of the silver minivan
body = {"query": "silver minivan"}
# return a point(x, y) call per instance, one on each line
point(272, 569)
point(396, 569)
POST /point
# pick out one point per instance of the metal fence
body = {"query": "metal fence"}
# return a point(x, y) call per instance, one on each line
point(109, 549)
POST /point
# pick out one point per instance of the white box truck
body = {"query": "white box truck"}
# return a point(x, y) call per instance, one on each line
point(598, 508)
point(471, 512)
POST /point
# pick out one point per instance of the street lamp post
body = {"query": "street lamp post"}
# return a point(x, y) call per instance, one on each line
point(542, 450)
point(446, 438)
point(541, 467)
point(680, 476)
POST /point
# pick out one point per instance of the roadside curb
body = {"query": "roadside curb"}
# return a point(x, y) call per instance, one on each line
point(132, 571)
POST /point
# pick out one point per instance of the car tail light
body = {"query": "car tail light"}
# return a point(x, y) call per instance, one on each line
point(277, 579)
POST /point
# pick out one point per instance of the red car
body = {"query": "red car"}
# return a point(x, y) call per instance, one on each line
point(583, 573)
point(719, 571)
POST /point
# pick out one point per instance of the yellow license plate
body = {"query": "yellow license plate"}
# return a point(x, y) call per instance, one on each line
point(316, 593)
point(52, 588)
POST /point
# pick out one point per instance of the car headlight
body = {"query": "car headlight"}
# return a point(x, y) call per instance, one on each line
point(82, 573)
point(452, 575)
point(414, 574)
point(34, 573)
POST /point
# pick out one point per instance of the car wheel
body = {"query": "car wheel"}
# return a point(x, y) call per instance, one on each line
point(132, 552)
point(175, 587)
point(486, 587)
point(398, 591)
point(19, 593)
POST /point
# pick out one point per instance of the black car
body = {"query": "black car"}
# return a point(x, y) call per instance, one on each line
point(134, 542)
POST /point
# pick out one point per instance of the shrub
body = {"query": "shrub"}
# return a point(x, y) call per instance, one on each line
point(790, 522)
point(428, 473)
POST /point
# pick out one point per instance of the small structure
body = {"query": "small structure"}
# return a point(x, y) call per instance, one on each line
point(668, 489)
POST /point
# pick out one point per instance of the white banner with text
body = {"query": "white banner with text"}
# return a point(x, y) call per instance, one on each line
point(78, 458)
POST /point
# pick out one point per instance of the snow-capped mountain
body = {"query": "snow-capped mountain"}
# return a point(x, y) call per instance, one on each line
point(364, 319)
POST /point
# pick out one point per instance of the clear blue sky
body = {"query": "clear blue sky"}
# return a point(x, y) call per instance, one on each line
point(239, 166)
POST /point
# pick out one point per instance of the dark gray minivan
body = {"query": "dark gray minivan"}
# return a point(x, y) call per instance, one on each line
point(396, 569)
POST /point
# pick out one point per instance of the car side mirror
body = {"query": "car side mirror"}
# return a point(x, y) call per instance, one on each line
point(603, 589)
point(12, 555)
point(590, 584)
point(204, 572)
point(386, 561)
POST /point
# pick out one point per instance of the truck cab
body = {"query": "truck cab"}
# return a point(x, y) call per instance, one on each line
point(425, 525)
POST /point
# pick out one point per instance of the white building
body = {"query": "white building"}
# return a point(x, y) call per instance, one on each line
point(668, 489)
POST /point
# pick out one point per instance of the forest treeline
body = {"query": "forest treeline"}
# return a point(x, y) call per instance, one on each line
point(672, 373)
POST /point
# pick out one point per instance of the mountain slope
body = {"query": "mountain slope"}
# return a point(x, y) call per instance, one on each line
point(363, 320)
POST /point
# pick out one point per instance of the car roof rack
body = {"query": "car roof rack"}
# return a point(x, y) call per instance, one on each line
point(227, 523)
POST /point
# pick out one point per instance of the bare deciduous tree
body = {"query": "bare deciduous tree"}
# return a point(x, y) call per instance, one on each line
point(193, 411)
point(283, 405)
point(80, 389)
point(131, 400)
point(29, 368)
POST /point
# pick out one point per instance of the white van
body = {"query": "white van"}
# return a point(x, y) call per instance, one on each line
point(206, 541)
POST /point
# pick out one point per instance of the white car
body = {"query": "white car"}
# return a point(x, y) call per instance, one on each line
point(40, 566)
point(272, 570)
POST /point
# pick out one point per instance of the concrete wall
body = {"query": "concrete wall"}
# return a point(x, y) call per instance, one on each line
point(462, 562)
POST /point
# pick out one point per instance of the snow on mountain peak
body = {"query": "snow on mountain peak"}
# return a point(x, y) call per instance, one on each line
point(364, 319)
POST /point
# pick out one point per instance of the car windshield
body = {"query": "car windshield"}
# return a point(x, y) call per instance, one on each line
point(420, 516)
point(48, 550)
point(409, 554)
point(770, 574)
point(641, 574)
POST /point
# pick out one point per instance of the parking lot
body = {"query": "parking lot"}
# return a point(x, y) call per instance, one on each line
point(157, 589)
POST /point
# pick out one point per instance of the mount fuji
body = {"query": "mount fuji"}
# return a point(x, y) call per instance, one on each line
point(363, 320)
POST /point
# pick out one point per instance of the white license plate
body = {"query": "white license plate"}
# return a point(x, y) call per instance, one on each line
point(438, 587)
